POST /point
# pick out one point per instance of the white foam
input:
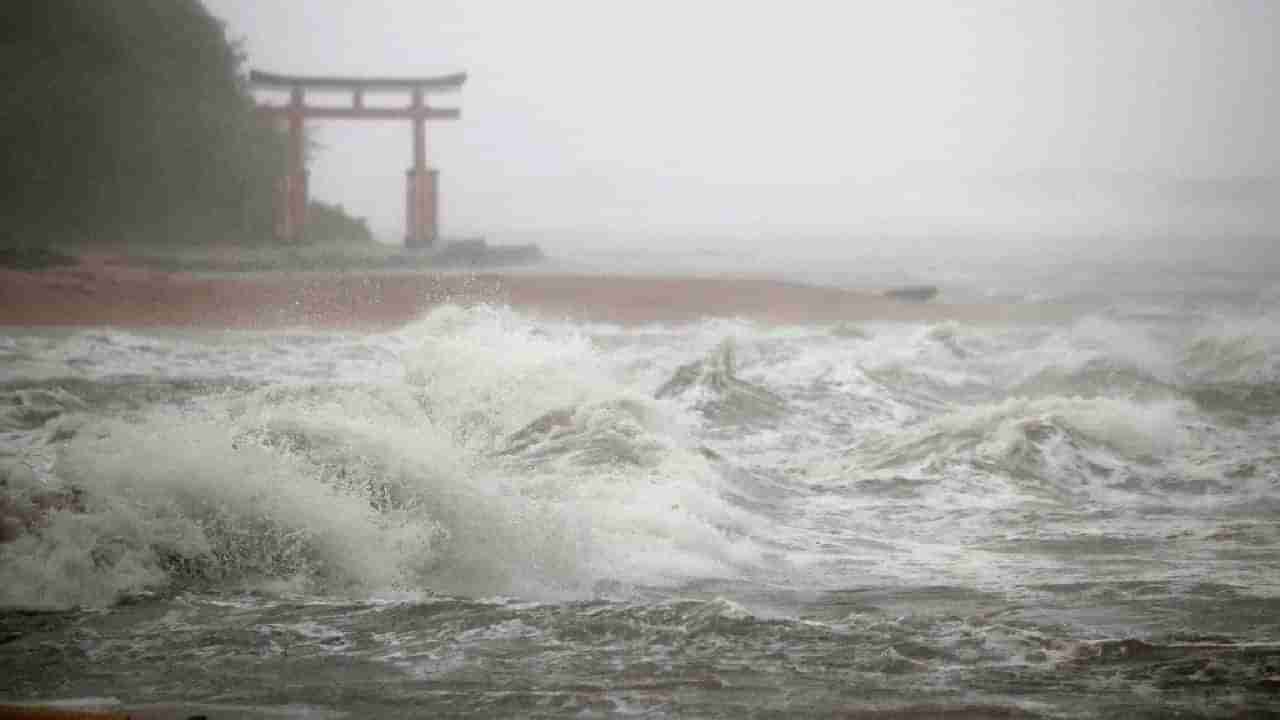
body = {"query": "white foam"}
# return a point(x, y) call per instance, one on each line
point(382, 465)
point(1235, 350)
point(387, 486)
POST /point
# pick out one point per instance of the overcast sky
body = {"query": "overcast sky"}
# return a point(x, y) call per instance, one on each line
point(901, 115)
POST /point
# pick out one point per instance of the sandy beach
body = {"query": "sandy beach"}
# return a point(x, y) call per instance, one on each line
point(108, 291)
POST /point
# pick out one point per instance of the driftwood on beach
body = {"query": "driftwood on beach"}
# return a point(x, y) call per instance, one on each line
point(913, 293)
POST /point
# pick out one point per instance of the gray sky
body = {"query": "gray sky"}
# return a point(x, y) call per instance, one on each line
point(818, 116)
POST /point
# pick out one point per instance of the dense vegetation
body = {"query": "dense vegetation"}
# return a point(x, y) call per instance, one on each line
point(328, 223)
point(130, 121)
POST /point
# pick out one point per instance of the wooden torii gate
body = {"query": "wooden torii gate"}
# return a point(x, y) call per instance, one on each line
point(421, 212)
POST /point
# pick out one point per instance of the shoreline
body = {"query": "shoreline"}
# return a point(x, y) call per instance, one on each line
point(107, 291)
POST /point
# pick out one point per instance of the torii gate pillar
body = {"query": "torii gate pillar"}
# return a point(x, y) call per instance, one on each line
point(420, 207)
point(421, 222)
point(291, 192)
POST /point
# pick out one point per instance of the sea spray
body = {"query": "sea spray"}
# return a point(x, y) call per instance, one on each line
point(348, 487)
point(1067, 443)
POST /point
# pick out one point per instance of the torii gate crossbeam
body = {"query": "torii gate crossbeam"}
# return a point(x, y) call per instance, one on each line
point(421, 183)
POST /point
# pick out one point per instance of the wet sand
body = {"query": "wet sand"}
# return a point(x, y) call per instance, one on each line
point(110, 292)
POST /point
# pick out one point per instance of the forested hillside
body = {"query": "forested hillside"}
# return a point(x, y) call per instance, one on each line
point(128, 121)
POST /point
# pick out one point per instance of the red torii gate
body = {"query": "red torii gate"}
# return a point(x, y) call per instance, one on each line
point(421, 214)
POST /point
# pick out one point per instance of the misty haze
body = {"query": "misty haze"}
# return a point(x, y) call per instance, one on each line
point(910, 359)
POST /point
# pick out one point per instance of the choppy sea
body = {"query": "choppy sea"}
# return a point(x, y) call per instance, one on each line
point(486, 513)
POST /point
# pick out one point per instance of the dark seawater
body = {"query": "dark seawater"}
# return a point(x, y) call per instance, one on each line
point(490, 514)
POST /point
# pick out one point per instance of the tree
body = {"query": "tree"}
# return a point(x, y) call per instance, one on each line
point(129, 120)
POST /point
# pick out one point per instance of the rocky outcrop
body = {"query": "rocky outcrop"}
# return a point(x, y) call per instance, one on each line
point(727, 397)
point(478, 253)
point(548, 425)
point(25, 505)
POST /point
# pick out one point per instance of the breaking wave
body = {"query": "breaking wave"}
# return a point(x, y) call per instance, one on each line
point(482, 452)
point(424, 484)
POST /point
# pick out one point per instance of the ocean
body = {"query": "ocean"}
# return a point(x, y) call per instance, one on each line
point(487, 513)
